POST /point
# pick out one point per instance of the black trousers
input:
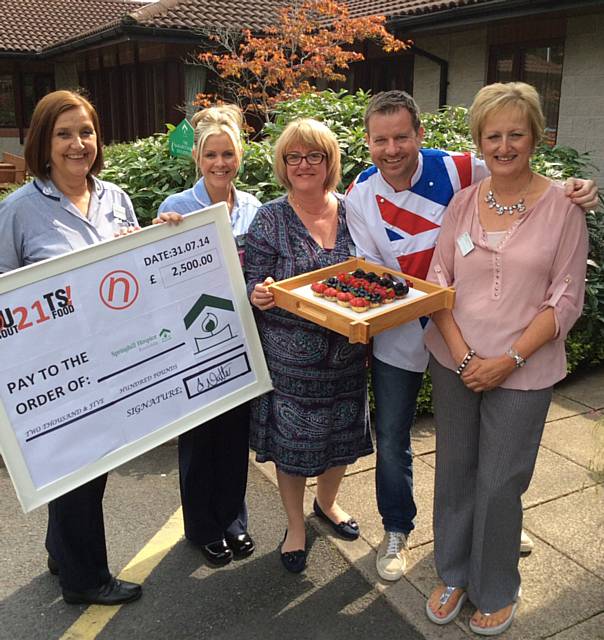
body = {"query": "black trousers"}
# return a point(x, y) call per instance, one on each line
point(213, 460)
point(75, 536)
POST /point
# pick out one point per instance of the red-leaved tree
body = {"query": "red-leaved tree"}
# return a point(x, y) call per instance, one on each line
point(311, 40)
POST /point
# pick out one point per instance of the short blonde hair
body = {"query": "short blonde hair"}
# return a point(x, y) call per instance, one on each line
point(312, 134)
point(497, 96)
point(222, 119)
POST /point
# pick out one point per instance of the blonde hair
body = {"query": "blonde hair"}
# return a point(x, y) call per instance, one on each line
point(313, 134)
point(498, 96)
point(222, 119)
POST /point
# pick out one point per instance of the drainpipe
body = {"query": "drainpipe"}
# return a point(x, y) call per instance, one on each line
point(444, 72)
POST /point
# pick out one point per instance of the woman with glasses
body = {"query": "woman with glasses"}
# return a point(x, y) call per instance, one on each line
point(315, 422)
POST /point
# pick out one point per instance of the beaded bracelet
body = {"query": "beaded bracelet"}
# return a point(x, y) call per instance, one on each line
point(464, 363)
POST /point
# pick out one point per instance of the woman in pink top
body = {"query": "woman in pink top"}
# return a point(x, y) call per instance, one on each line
point(515, 249)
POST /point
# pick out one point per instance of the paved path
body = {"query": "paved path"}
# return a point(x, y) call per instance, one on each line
point(339, 596)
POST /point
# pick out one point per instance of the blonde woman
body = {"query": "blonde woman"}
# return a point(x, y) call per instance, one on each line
point(515, 249)
point(315, 422)
point(213, 458)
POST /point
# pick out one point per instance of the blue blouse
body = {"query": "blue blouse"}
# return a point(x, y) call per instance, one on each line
point(245, 205)
point(38, 221)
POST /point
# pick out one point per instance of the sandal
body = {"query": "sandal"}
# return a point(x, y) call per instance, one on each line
point(500, 628)
point(443, 600)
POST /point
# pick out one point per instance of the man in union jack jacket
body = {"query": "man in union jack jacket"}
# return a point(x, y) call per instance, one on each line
point(394, 213)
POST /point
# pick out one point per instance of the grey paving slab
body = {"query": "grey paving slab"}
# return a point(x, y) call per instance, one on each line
point(366, 463)
point(562, 407)
point(573, 525)
point(592, 629)
point(554, 476)
point(579, 438)
point(586, 387)
point(557, 593)
point(423, 435)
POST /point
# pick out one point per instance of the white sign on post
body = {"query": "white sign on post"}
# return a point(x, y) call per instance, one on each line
point(112, 350)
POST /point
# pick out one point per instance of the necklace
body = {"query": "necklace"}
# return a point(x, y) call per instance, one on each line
point(519, 206)
point(316, 214)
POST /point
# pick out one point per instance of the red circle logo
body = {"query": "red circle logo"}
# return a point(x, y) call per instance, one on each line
point(119, 289)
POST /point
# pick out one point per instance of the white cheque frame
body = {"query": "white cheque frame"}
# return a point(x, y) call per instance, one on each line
point(112, 350)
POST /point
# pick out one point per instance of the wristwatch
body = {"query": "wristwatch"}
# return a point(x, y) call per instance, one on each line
point(519, 361)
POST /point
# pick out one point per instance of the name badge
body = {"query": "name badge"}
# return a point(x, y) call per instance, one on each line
point(119, 213)
point(465, 244)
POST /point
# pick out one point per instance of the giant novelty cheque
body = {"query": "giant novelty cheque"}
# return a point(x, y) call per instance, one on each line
point(112, 350)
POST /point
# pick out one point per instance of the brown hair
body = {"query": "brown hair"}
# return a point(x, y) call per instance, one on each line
point(314, 135)
point(388, 102)
point(498, 96)
point(43, 120)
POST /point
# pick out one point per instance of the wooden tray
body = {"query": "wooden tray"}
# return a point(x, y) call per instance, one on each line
point(295, 296)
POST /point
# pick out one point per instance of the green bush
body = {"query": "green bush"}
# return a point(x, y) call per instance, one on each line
point(7, 190)
point(148, 174)
point(145, 170)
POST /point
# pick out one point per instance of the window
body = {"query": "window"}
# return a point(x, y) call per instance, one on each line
point(539, 65)
point(35, 87)
point(8, 117)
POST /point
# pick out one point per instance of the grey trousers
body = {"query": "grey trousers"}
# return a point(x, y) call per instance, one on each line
point(486, 448)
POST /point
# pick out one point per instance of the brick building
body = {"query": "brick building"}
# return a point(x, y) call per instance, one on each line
point(135, 58)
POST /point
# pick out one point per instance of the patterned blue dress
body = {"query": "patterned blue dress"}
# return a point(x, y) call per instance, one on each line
point(317, 416)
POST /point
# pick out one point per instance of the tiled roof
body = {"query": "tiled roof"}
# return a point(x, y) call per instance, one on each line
point(392, 8)
point(31, 25)
point(200, 14)
point(256, 14)
point(35, 25)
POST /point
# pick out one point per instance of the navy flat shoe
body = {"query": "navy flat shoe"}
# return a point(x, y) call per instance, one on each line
point(293, 561)
point(347, 530)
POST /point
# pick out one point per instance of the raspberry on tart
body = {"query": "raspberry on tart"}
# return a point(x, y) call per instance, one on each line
point(359, 304)
point(330, 294)
point(344, 298)
point(318, 288)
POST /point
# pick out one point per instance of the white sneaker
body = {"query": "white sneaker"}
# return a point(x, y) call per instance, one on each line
point(391, 560)
point(526, 542)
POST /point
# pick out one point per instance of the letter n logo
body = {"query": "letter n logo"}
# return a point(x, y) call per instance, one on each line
point(119, 289)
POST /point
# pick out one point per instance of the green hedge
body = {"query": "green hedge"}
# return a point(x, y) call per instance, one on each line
point(148, 174)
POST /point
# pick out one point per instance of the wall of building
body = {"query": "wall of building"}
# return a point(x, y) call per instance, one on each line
point(581, 119)
point(10, 145)
point(466, 52)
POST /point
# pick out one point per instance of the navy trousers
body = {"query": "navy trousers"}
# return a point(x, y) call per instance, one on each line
point(75, 537)
point(213, 462)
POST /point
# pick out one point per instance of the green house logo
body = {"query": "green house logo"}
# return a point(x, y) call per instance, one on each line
point(165, 334)
point(212, 329)
point(180, 140)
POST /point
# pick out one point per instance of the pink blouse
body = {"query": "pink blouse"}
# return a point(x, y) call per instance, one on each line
point(540, 262)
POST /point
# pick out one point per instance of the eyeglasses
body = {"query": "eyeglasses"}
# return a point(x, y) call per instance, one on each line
point(314, 157)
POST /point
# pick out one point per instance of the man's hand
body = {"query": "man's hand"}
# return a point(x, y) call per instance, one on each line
point(582, 192)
